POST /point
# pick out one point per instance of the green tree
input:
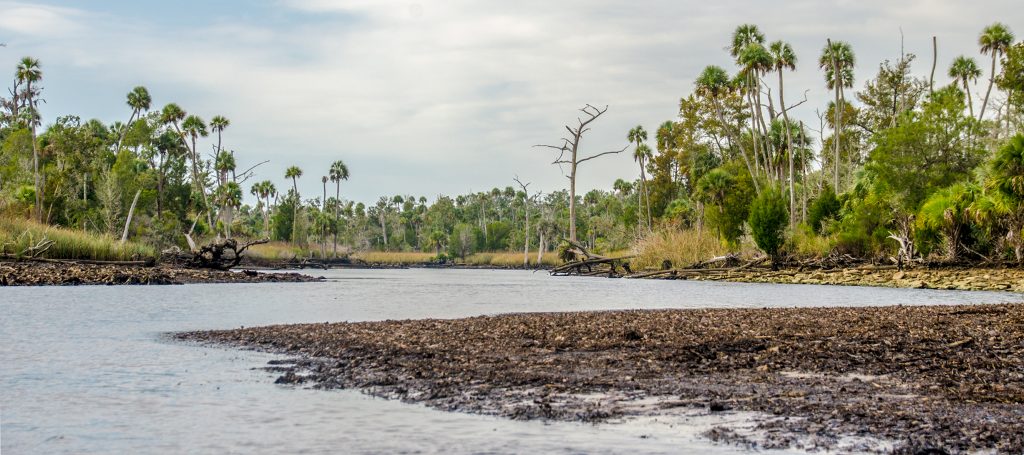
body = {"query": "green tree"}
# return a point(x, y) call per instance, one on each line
point(642, 154)
point(768, 223)
point(293, 172)
point(29, 72)
point(964, 70)
point(337, 173)
point(783, 58)
point(837, 60)
point(994, 40)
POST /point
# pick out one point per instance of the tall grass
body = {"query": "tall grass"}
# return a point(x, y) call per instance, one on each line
point(17, 235)
point(492, 259)
point(681, 247)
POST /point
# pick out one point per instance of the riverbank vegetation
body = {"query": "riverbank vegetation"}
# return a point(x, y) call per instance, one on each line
point(915, 164)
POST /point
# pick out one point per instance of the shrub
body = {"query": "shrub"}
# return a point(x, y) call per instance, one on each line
point(768, 218)
point(826, 206)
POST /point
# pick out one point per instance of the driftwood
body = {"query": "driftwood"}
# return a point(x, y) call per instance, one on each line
point(14, 257)
point(218, 255)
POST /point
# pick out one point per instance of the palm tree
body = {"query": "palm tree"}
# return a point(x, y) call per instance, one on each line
point(29, 72)
point(230, 197)
point(642, 153)
point(747, 48)
point(665, 137)
point(712, 83)
point(193, 128)
point(783, 58)
point(337, 173)
point(965, 70)
point(994, 39)
point(712, 188)
point(264, 191)
point(294, 173)
point(837, 60)
point(218, 124)
point(139, 100)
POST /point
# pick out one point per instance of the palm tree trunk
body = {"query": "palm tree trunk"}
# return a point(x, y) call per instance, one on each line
point(739, 143)
point(991, 80)
point(789, 151)
point(970, 102)
point(337, 202)
point(647, 196)
point(835, 126)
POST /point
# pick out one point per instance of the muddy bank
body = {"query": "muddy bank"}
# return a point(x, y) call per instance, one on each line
point(969, 279)
point(50, 274)
point(942, 376)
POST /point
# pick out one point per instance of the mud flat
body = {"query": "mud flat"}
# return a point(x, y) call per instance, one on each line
point(964, 279)
point(71, 273)
point(945, 378)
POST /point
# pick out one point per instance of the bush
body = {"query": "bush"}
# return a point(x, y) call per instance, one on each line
point(825, 207)
point(768, 218)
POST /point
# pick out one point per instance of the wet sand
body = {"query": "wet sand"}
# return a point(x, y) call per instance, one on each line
point(65, 274)
point(941, 377)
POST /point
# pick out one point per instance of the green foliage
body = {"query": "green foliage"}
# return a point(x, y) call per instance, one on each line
point(825, 207)
point(927, 150)
point(768, 219)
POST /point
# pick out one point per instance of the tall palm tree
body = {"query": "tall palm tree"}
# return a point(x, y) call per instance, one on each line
point(337, 173)
point(193, 127)
point(293, 172)
point(666, 138)
point(747, 48)
point(712, 83)
point(783, 58)
point(837, 60)
point(965, 70)
point(28, 73)
point(994, 39)
point(642, 153)
point(264, 191)
point(139, 100)
point(218, 124)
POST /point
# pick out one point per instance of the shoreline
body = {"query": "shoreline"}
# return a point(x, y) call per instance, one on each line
point(949, 377)
point(71, 273)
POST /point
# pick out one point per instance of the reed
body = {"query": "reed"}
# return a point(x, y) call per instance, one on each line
point(680, 247)
point(18, 235)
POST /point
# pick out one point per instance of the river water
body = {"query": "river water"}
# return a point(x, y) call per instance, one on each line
point(90, 369)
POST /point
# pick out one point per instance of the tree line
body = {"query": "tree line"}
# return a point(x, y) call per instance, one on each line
point(906, 166)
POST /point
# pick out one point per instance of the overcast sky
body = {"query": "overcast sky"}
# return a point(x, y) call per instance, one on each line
point(445, 97)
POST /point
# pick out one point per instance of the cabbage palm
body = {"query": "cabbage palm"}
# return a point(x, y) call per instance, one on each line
point(139, 100)
point(337, 173)
point(783, 58)
point(293, 172)
point(837, 60)
point(218, 124)
point(995, 40)
point(964, 70)
point(712, 83)
point(641, 155)
point(264, 191)
point(28, 73)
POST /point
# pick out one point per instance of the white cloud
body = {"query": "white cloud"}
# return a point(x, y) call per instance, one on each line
point(436, 97)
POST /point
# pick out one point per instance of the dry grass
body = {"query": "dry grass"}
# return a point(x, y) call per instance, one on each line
point(807, 244)
point(681, 247)
point(16, 235)
point(394, 257)
point(276, 250)
point(511, 259)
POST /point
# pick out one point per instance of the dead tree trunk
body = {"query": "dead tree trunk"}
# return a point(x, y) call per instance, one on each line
point(570, 146)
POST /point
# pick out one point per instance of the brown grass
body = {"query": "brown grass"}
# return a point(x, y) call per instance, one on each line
point(681, 247)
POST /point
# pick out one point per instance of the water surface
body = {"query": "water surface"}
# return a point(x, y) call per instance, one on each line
point(89, 370)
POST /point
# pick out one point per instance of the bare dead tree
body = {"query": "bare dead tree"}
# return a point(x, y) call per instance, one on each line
point(526, 210)
point(568, 153)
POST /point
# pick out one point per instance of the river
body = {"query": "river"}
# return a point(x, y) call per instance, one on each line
point(90, 370)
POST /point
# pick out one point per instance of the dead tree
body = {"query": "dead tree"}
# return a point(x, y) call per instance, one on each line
point(526, 232)
point(568, 153)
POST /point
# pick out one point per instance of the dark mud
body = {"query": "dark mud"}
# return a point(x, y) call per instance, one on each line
point(948, 378)
point(66, 274)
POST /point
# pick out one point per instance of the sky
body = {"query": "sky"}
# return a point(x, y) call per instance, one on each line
point(430, 98)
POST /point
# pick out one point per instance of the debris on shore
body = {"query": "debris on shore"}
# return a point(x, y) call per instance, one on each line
point(947, 378)
point(63, 273)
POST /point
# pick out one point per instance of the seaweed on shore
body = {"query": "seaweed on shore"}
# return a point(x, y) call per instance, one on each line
point(950, 377)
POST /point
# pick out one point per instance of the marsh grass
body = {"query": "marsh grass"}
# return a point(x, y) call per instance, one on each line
point(681, 247)
point(17, 235)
